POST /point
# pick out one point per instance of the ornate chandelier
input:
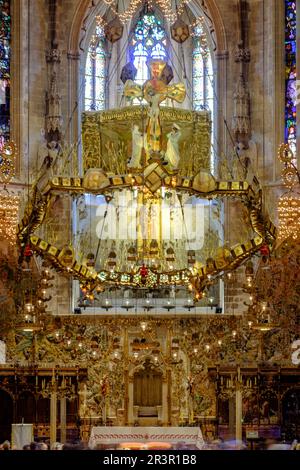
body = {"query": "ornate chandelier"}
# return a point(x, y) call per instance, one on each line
point(169, 162)
point(289, 202)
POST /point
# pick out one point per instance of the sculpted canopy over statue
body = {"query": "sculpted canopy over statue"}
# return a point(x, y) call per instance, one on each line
point(155, 91)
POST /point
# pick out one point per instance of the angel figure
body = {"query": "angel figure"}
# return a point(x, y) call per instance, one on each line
point(137, 148)
point(172, 152)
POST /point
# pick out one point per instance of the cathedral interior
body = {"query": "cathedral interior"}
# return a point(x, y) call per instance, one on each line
point(150, 218)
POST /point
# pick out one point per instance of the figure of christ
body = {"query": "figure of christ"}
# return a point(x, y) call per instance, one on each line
point(155, 91)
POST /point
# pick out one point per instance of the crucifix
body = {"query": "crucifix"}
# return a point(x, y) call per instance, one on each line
point(155, 91)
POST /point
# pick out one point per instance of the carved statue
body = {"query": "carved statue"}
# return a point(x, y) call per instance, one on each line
point(137, 148)
point(172, 152)
point(42, 151)
point(248, 158)
point(54, 116)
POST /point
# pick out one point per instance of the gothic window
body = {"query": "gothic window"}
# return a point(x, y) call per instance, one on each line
point(5, 34)
point(95, 83)
point(203, 95)
point(149, 41)
point(290, 74)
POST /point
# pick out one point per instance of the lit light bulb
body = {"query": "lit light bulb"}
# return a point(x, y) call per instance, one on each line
point(135, 355)
point(116, 354)
point(175, 355)
point(195, 350)
point(250, 323)
point(69, 342)
point(250, 298)
point(207, 347)
point(94, 353)
point(229, 275)
point(219, 342)
point(234, 333)
point(80, 345)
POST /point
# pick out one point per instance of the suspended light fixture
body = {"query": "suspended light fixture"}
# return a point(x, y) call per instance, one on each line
point(112, 259)
point(180, 31)
point(132, 254)
point(114, 30)
point(170, 255)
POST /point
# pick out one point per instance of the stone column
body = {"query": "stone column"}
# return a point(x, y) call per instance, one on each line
point(53, 416)
point(169, 396)
point(129, 418)
point(238, 415)
point(231, 417)
point(164, 402)
point(63, 419)
point(221, 140)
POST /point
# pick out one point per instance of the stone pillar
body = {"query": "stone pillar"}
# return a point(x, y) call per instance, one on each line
point(169, 396)
point(221, 135)
point(129, 417)
point(238, 415)
point(164, 412)
point(53, 416)
point(231, 417)
point(63, 419)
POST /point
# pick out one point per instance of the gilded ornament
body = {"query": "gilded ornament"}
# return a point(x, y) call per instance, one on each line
point(204, 182)
point(95, 179)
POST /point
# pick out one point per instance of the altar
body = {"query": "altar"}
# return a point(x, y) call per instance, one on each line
point(113, 435)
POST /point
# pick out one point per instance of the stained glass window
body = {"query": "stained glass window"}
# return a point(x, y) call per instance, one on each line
point(290, 74)
point(203, 80)
point(95, 78)
point(149, 41)
point(5, 33)
point(203, 95)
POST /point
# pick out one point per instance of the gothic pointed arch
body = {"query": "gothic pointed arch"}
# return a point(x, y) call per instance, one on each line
point(86, 9)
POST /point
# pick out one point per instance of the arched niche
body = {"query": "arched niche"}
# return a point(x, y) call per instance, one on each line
point(6, 415)
point(291, 414)
point(268, 407)
point(43, 410)
point(26, 408)
point(82, 28)
point(86, 10)
point(141, 375)
point(147, 386)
